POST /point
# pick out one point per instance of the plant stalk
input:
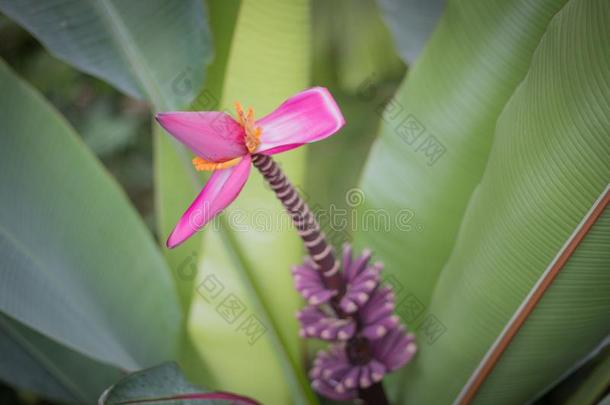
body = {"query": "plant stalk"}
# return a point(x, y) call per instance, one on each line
point(373, 395)
point(319, 249)
point(308, 228)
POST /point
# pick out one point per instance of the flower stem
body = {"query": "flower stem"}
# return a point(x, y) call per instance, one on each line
point(319, 250)
point(373, 395)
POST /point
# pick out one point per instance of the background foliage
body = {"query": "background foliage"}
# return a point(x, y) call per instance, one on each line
point(494, 144)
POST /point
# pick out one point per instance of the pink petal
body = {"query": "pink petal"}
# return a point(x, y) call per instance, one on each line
point(309, 116)
point(214, 136)
point(220, 191)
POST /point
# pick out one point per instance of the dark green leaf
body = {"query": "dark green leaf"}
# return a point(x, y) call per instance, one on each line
point(164, 384)
point(78, 263)
point(127, 43)
point(33, 362)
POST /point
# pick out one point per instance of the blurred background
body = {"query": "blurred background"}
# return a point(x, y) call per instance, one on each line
point(353, 54)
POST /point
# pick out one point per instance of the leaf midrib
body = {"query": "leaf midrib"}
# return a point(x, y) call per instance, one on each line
point(126, 44)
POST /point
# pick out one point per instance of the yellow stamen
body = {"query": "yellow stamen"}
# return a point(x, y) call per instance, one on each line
point(252, 140)
point(253, 133)
point(240, 113)
point(204, 165)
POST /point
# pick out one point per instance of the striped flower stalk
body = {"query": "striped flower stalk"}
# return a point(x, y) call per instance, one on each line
point(320, 252)
point(347, 304)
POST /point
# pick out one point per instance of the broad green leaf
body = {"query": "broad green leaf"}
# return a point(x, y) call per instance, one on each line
point(127, 44)
point(548, 165)
point(78, 264)
point(412, 23)
point(268, 61)
point(164, 384)
point(142, 47)
point(570, 320)
point(33, 362)
point(436, 136)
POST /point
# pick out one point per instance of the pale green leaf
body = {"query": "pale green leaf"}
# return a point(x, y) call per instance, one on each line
point(268, 61)
point(176, 183)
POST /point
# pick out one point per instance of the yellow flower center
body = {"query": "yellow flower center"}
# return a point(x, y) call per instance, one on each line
point(253, 135)
point(246, 120)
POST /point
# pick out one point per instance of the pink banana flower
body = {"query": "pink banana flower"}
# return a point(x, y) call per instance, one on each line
point(225, 145)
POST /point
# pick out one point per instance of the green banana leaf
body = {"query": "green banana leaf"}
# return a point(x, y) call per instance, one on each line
point(37, 364)
point(125, 43)
point(75, 253)
point(512, 124)
point(436, 137)
point(569, 322)
point(249, 262)
point(113, 40)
